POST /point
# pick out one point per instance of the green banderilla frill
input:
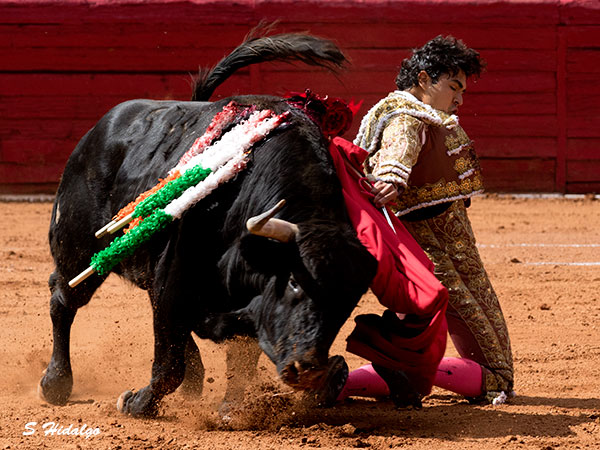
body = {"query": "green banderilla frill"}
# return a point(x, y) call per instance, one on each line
point(172, 190)
point(124, 246)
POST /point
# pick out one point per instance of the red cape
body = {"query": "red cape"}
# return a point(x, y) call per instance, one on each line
point(404, 283)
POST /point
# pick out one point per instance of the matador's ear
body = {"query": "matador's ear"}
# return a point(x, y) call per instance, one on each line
point(424, 79)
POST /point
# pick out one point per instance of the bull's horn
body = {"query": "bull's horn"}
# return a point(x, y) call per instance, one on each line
point(266, 225)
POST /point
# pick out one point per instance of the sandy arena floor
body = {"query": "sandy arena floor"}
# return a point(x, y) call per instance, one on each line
point(543, 256)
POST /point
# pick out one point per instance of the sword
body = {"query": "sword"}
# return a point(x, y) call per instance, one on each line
point(371, 179)
point(389, 221)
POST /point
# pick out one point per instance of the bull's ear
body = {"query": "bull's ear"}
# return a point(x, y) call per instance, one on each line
point(264, 254)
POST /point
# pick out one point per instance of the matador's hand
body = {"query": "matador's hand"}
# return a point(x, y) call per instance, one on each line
point(384, 193)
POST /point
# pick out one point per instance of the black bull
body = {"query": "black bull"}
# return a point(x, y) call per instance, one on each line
point(206, 273)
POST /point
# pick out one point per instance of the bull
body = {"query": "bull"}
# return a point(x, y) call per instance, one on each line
point(290, 282)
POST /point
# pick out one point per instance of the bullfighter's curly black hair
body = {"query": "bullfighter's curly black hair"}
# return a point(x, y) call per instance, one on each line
point(440, 56)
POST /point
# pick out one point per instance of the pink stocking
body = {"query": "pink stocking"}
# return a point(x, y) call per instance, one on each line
point(458, 375)
point(461, 376)
point(364, 382)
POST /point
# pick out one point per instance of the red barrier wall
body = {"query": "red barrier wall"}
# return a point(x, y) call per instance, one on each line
point(534, 115)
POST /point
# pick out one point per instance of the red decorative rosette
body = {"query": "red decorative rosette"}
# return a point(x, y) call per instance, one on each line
point(337, 119)
point(333, 115)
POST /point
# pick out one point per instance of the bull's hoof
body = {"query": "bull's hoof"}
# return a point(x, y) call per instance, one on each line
point(136, 404)
point(335, 380)
point(55, 389)
point(402, 392)
point(121, 401)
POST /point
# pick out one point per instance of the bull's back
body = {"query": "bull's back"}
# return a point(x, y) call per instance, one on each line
point(124, 154)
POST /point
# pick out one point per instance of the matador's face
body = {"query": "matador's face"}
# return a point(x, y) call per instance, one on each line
point(446, 94)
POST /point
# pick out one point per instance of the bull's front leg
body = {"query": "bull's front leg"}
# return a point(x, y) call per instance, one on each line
point(242, 358)
point(193, 382)
point(168, 369)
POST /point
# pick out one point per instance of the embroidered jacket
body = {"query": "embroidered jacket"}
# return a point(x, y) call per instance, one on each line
point(423, 151)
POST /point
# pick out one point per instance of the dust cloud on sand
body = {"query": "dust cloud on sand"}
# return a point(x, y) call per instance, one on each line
point(543, 256)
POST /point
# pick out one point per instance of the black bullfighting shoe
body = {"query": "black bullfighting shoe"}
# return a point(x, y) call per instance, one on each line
point(402, 393)
point(335, 380)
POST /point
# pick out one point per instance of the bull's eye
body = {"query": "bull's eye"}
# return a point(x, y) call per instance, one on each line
point(294, 286)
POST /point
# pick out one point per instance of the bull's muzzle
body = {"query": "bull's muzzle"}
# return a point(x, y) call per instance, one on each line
point(317, 378)
point(303, 375)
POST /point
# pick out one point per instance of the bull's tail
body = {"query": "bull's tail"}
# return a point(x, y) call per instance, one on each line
point(281, 47)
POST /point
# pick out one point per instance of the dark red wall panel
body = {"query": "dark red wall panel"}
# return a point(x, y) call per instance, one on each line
point(533, 115)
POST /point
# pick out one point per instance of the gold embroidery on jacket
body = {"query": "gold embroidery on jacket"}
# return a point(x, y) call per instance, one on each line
point(453, 142)
point(461, 165)
point(449, 242)
point(392, 132)
point(400, 146)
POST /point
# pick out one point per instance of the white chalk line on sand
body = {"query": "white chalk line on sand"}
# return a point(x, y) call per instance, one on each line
point(536, 245)
point(549, 263)
point(562, 263)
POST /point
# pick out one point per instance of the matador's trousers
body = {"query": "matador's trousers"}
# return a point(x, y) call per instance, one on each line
point(475, 321)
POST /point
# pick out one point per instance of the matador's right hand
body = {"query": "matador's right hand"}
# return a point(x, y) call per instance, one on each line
point(383, 193)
